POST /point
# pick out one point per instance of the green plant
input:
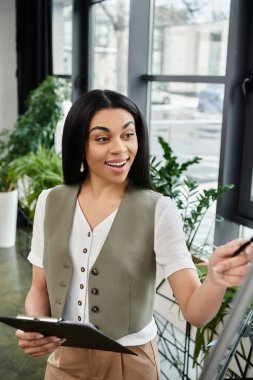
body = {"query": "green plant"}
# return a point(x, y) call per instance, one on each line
point(36, 127)
point(35, 171)
point(5, 184)
point(170, 178)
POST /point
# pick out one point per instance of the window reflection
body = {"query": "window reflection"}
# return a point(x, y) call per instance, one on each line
point(190, 37)
point(62, 37)
point(190, 121)
point(110, 52)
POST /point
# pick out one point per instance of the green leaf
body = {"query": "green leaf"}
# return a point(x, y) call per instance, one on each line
point(36, 127)
point(40, 170)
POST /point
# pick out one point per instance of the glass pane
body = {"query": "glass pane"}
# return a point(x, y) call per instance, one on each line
point(110, 52)
point(190, 37)
point(189, 117)
point(62, 37)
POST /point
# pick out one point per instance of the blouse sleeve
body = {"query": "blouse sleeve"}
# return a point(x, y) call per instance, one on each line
point(169, 242)
point(37, 245)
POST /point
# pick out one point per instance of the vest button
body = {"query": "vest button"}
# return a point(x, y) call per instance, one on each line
point(89, 234)
point(79, 318)
point(79, 303)
point(85, 250)
point(82, 269)
point(81, 286)
point(95, 309)
point(95, 271)
point(94, 291)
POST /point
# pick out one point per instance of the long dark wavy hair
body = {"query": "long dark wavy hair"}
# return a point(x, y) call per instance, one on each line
point(75, 135)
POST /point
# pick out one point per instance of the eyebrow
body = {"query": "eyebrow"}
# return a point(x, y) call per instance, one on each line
point(106, 129)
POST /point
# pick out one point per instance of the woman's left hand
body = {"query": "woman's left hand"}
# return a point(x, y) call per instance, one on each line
point(226, 270)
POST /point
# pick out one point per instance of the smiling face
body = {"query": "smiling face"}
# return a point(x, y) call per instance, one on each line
point(111, 146)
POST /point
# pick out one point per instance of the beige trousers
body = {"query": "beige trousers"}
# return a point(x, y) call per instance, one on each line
point(68, 363)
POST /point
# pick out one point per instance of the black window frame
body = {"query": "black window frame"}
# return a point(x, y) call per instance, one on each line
point(236, 154)
point(236, 158)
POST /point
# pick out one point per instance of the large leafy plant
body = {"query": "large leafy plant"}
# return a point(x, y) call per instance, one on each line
point(35, 172)
point(36, 127)
point(170, 178)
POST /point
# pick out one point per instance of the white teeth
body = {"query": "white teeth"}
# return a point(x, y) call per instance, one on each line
point(116, 163)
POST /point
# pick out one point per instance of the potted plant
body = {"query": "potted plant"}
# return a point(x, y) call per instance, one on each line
point(33, 129)
point(36, 126)
point(35, 171)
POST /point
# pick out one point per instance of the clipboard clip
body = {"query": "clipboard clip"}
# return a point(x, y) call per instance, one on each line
point(41, 319)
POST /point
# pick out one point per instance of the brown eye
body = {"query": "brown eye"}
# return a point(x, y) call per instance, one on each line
point(129, 135)
point(101, 139)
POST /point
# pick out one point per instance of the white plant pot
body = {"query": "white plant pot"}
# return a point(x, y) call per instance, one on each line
point(8, 218)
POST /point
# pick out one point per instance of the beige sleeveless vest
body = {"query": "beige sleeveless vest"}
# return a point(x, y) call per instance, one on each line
point(121, 283)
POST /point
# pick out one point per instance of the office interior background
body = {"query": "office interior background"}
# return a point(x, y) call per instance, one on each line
point(188, 65)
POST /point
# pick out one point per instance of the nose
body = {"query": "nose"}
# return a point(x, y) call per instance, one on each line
point(118, 146)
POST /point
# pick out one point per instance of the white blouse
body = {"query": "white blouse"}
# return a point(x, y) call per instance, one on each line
point(85, 245)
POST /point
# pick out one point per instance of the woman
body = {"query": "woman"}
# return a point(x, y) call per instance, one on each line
point(96, 242)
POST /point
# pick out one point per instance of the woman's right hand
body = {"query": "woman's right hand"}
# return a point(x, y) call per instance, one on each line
point(36, 344)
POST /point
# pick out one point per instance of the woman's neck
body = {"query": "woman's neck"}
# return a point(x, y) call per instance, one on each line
point(100, 190)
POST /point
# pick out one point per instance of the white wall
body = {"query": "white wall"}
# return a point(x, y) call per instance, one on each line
point(8, 82)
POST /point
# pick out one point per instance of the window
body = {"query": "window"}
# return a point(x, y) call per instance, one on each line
point(184, 98)
point(189, 114)
point(62, 37)
point(184, 84)
point(190, 33)
point(110, 45)
point(189, 118)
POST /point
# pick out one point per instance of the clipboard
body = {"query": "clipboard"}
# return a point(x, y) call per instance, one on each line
point(81, 335)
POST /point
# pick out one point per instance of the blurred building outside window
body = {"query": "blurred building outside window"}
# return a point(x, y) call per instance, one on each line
point(190, 38)
point(62, 37)
point(110, 45)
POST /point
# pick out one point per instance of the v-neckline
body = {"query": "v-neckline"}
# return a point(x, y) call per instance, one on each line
point(102, 221)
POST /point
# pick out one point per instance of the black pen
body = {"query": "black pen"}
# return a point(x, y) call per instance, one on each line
point(242, 247)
